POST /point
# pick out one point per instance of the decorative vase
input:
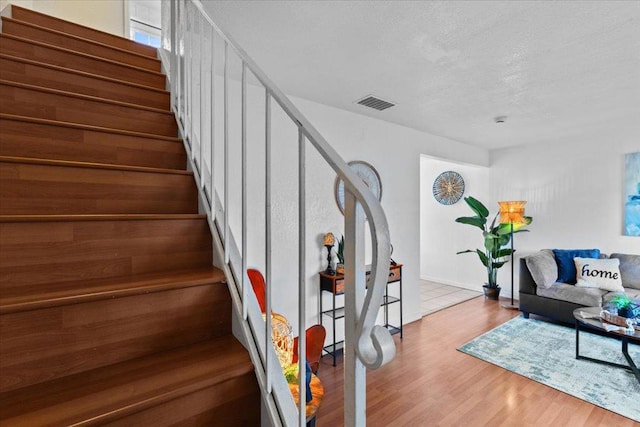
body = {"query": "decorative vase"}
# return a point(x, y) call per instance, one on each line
point(630, 312)
point(491, 293)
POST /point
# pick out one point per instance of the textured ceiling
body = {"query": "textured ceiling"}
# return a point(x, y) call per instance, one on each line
point(557, 70)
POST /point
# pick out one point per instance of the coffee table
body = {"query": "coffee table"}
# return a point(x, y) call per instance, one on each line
point(585, 322)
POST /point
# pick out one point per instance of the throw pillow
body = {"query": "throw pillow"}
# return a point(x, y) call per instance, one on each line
point(629, 269)
point(566, 267)
point(604, 273)
point(581, 283)
point(543, 268)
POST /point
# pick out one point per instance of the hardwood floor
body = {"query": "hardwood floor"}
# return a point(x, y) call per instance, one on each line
point(430, 383)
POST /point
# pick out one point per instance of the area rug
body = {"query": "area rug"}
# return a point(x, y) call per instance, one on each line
point(545, 352)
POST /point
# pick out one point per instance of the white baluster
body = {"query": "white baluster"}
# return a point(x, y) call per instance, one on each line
point(354, 290)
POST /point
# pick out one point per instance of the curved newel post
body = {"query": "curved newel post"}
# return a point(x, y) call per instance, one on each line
point(366, 345)
point(375, 345)
point(355, 396)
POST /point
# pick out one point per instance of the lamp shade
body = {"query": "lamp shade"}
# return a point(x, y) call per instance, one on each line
point(329, 239)
point(512, 212)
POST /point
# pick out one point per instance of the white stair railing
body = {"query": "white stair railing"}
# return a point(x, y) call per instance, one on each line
point(204, 65)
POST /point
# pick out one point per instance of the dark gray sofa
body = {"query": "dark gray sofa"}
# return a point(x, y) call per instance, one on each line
point(558, 301)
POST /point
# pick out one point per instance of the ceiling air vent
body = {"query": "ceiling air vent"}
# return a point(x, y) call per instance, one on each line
point(375, 103)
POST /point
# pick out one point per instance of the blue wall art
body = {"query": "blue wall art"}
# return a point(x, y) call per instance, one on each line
point(632, 192)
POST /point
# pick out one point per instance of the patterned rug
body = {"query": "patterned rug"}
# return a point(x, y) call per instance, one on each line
point(545, 352)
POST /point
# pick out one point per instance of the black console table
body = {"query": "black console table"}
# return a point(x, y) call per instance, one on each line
point(334, 284)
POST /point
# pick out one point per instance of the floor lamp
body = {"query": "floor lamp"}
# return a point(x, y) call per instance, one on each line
point(511, 213)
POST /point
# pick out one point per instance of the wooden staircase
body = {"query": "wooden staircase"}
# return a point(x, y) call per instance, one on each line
point(110, 310)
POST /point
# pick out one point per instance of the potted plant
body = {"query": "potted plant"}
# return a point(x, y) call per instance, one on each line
point(626, 306)
point(494, 255)
point(340, 255)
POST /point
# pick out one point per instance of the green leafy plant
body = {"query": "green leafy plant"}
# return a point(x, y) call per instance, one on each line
point(291, 373)
point(621, 301)
point(627, 307)
point(494, 254)
point(340, 251)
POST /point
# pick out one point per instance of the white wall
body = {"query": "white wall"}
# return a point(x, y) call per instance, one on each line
point(393, 150)
point(104, 15)
point(441, 237)
point(574, 192)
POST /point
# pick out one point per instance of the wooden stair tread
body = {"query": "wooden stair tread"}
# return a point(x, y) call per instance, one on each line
point(83, 73)
point(50, 104)
point(87, 165)
point(88, 127)
point(110, 392)
point(69, 27)
point(55, 294)
point(23, 70)
point(45, 75)
point(52, 46)
point(33, 139)
point(156, 75)
point(83, 39)
point(82, 96)
point(78, 44)
point(92, 217)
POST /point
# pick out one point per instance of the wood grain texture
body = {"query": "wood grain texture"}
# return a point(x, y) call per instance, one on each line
point(430, 383)
point(49, 54)
point(52, 76)
point(73, 189)
point(110, 309)
point(51, 104)
point(46, 344)
point(36, 296)
point(47, 21)
point(112, 392)
point(39, 252)
point(37, 33)
point(237, 405)
point(27, 138)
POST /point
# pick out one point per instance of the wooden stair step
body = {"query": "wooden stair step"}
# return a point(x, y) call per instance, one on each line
point(41, 249)
point(36, 138)
point(32, 297)
point(53, 37)
point(110, 310)
point(92, 332)
point(52, 76)
point(52, 104)
point(82, 126)
point(49, 54)
point(113, 393)
point(9, 219)
point(47, 21)
point(61, 187)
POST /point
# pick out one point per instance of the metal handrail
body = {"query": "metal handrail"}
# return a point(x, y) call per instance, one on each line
point(185, 58)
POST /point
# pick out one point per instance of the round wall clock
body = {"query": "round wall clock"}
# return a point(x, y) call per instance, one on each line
point(369, 175)
point(448, 187)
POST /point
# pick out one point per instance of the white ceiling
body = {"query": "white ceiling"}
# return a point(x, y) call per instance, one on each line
point(558, 70)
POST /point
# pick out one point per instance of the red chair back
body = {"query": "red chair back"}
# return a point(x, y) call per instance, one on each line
point(315, 341)
point(315, 334)
point(258, 285)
